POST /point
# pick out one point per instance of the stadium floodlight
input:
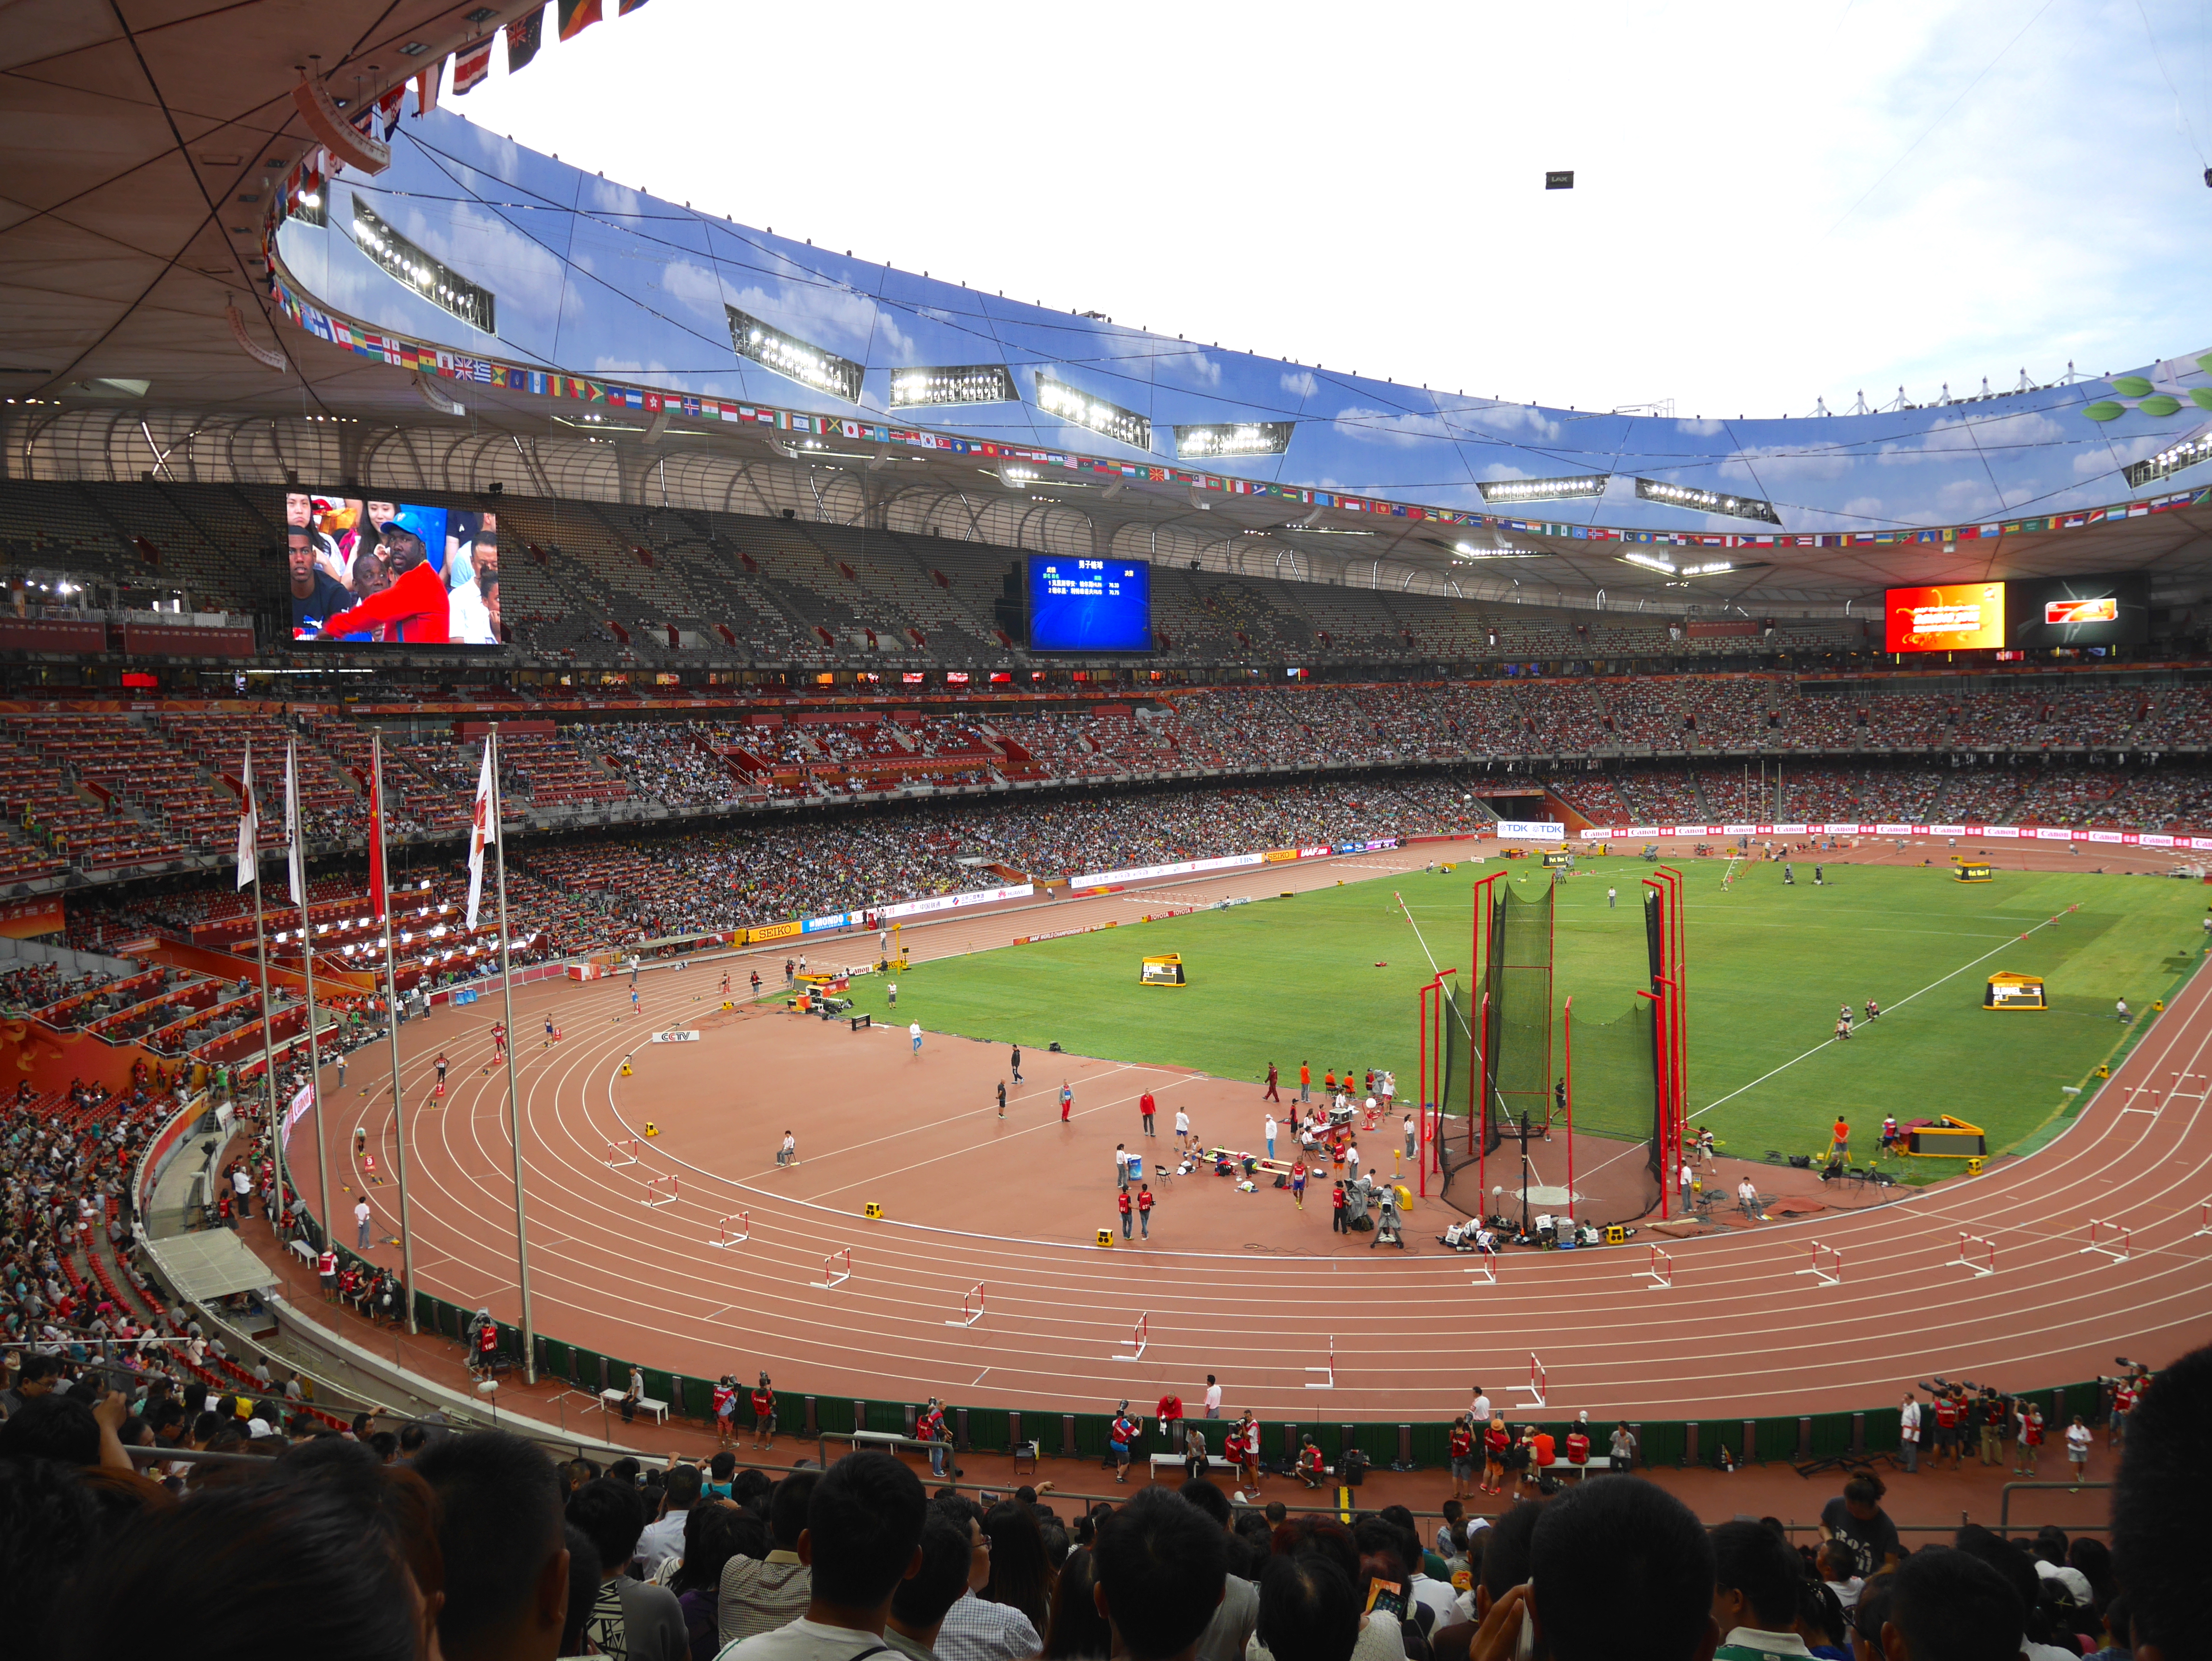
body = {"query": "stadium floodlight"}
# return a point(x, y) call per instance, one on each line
point(1706, 501)
point(1233, 438)
point(1078, 408)
point(969, 383)
point(1580, 486)
point(1018, 479)
point(792, 358)
point(2196, 447)
point(1467, 552)
point(1707, 569)
point(412, 268)
point(1650, 562)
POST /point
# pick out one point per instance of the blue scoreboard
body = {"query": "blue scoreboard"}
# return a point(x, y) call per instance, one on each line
point(1090, 604)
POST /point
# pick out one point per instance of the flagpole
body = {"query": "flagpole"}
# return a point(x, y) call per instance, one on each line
point(308, 962)
point(268, 1030)
point(392, 1026)
point(513, 1094)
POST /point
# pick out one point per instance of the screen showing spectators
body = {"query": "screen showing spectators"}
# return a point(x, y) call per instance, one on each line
point(378, 572)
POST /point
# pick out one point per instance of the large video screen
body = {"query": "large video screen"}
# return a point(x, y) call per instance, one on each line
point(2102, 610)
point(1090, 604)
point(1952, 616)
point(374, 571)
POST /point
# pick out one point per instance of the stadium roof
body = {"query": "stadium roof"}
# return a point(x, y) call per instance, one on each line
point(150, 158)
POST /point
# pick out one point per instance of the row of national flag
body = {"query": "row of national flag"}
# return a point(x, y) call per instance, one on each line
point(483, 830)
point(524, 37)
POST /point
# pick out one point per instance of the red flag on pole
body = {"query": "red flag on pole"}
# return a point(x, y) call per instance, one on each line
point(376, 906)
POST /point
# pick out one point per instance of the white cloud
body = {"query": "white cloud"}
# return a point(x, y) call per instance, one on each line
point(1301, 384)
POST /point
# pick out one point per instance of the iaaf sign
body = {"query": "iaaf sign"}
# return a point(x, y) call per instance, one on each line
point(679, 1035)
point(1531, 830)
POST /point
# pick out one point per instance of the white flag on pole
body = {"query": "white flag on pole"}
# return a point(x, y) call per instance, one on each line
point(296, 856)
point(249, 824)
point(482, 830)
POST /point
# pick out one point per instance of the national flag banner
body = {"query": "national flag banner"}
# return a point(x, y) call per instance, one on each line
point(388, 107)
point(524, 36)
point(426, 88)
point(295, 855)
point(377, 908)
point(472, 65)
point(629, 6)
point(576, 16)
point(249, 825)
point(482, 830)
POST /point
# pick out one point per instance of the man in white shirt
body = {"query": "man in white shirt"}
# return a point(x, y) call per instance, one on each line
point(1688, 1178)
point(1908, 1433)
point(362, 1217)
point(1836, 1565)
point(1270, 1134)
point(1480, 1410)
point(862, 1538)
point(1182, 1128)
point(1212, 1397)
point(913, 1033)
point(664, 1536)
point(973, 1629)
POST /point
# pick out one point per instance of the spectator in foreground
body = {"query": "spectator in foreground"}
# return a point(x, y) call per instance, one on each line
point(760, 1597)
point(2164, 1467)
point(1235, 1620)
point(1079, 1632)
point(629, 1617)
point(1308, 1609)
point(500, 1531)
point(862, 1539)
point(1161, 1566)
point(1948, 1605)
point(1857, 1519)
point(1756, 1581)
point(664, 1536)
point(918, 1605)
point(1616, 1568)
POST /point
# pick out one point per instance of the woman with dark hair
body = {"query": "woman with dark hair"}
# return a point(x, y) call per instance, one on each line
point(1077, 1632)
point(583, 1588)
point(710, 1540)
point(1021, 1577)
point(349, 1570)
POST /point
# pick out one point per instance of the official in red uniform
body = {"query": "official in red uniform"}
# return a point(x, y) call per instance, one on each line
point(763, 1412)
point(1123, 1197)
point(1145, 1108)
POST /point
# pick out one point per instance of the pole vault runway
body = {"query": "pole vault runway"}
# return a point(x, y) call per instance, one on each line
point(1242, 1286)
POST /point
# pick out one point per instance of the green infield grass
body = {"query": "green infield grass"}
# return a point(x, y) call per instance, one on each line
point(1330, 978)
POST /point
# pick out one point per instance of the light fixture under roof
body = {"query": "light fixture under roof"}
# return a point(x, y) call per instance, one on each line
point(919, 387)
point(408, 265)
point(1579, 487)
point(1211, 439)
point(1702, 501)
point(1079, 408)
point(2196, 447)
point(792, 358)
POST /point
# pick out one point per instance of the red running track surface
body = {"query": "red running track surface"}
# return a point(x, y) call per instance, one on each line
point(1235, 1285)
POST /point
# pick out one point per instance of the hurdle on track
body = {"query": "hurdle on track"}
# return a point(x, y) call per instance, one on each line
point(1327, 1373)
point(832, 1275)
point(622, 1154)
point(2103, 1247)
point(1139, 1339)
point(661, 1190)
point(971, 1307)
point(1826, 1267)
point(724, 1235)
point(1486, 1267)
point(2203, 1219)
point(1537, 1384)
point(1659, 1269)
point(1977, 1253)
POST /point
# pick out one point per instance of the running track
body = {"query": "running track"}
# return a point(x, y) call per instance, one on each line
point(1740, 1332)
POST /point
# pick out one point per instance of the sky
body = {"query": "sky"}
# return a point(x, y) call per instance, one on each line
point(1772, 204)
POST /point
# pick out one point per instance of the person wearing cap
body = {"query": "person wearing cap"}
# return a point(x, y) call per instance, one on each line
point(1120, 1434)
point(414, 608)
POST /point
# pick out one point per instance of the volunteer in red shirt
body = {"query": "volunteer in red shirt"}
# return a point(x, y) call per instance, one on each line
point(1120, 1434)
point(1461, 1445)
point(1250, 1438)
point(1578, 1447)
point(930, 1428)
point(1310, 1464)
point(1144, 1209)
point(326, 1270)
point(413, 609)
point(1146, 1107)
point(2124, 1403)
point(1169, 1411)
point(726, 1409)
point(1946, 1431)
point(487, 1344)
point(1495, 1443)
point(763, 1412)
point(1233, 1444)
point(1122, 1200)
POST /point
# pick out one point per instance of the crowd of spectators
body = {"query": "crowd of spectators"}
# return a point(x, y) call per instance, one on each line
point(480, 1546)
